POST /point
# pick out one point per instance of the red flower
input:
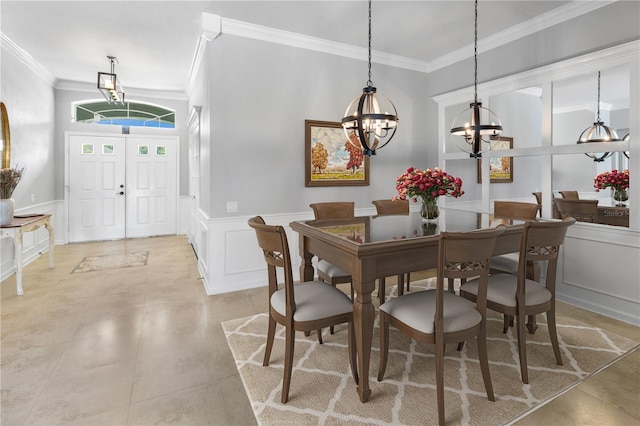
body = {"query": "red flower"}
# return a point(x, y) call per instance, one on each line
point(428, 184)
point(612, 179)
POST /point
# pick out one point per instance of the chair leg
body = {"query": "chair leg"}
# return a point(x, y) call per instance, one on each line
point(381, 290)
point(484, 362)
point(290, 341)
point(439, 349)
point(353, 353)
point(522, 349)
point(331, 330)
point(531, 324)
point(508, 322)
point(271, 331)
point(553, 334)
point(460, 346)
point(408, 278)
point(384, 345)
point(320, 335)
point(400, 284)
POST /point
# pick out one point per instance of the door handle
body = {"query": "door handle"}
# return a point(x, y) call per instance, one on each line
point(120, 193)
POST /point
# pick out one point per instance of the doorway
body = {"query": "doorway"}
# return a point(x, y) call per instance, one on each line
point(121, 186)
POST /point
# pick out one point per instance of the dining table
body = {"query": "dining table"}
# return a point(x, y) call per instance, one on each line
point(371, 247)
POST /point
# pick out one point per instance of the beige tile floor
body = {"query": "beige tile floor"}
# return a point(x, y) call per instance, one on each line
point(143, 345)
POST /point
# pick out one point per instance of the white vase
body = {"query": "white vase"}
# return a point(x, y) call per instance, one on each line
point(7, 207)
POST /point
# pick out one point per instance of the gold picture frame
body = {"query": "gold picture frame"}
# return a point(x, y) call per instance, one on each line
point(500, 168)
point(329, 158)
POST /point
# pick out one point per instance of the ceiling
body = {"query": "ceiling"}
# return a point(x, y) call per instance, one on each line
point(155, 41)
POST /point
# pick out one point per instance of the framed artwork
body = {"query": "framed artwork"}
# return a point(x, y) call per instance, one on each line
point(330, 160)
point(500, 168)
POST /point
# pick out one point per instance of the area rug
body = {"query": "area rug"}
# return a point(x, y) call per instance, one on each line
point(323, 392)
point(106, 262)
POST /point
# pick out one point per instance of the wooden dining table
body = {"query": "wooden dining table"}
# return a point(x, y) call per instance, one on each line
point(371, 247)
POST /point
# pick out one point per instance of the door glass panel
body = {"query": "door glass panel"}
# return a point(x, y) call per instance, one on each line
point(87, 149)
point(143, 150)
point(108, 149)
point(161, 150)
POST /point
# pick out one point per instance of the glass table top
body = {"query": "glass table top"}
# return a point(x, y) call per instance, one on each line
point(372, 229)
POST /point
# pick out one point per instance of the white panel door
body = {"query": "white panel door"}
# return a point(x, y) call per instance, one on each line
point(96, 188)
point(152, 176)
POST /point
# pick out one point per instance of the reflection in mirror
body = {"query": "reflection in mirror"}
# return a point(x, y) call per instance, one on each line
point(521, 115)
point(575, 103)
point(574, 109)
point(5, 144)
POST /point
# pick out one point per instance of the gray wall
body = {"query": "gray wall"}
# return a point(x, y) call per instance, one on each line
point(260, 95)
point(30, 107)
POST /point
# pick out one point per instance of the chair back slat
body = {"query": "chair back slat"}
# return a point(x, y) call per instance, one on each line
point(464, 255)
point(390, 207)
point(515, 209)
point(580, 210)
point(570, 195)
point(272, 239)
point(334, 210)
point(541, 241)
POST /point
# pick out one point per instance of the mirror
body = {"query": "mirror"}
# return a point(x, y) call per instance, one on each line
point(6, 137)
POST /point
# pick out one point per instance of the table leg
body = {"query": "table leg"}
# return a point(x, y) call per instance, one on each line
point(47, 225)
point(307, 273)
point(17, 243)
point(363, 318)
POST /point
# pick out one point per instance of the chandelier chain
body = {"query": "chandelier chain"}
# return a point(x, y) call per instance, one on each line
point(369, 82)
point(598, 106)
point(475, 55)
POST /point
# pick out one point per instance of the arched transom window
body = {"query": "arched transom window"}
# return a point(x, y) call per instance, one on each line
point(130, 114)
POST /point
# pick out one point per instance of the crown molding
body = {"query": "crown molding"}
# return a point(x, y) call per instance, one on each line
point(288, 38)
point(590, 62)
point(78, 86)
point(211, 29)
point(22, 55)
point(553, 17)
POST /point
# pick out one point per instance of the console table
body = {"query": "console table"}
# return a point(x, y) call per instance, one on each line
point(18, 226)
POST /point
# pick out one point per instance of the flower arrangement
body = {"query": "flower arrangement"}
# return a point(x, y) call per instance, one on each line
point(428, 184)
point(9, 179)
point(617, 180)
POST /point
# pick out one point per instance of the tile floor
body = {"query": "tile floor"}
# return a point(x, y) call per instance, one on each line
point(143, 345)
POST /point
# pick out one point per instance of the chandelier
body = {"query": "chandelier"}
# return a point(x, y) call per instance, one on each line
point(370, 121)
point(480, 123)
point(599, 132)
point(109, 85)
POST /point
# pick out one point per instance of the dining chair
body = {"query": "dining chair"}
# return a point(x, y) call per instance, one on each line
point(304, 306)
point(580, 210)
point(508, 263)
point(516, 295)
point(385, 208)
point(570, 195)
point(538, 196)
point(333, 210)
point(439, 317)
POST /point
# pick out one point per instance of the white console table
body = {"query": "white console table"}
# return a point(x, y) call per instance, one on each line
point(18, 226)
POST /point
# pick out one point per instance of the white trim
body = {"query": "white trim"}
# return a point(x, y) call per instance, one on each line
point(27, 59)
point(211, 29)
point(78, 86)
point(617, 55)
point(553, 17)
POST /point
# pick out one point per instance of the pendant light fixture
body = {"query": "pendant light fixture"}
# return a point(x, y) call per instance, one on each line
point(370, 121)
point(626, 138)
point(109, 85)
point(480, 123)
point(599, 132)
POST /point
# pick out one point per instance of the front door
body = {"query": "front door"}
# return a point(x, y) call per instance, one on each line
point(121, 187)
point(96, 188)
point(151, 186)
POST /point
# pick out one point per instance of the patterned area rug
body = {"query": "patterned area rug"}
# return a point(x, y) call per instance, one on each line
point(103, 263)
point(323, 392)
